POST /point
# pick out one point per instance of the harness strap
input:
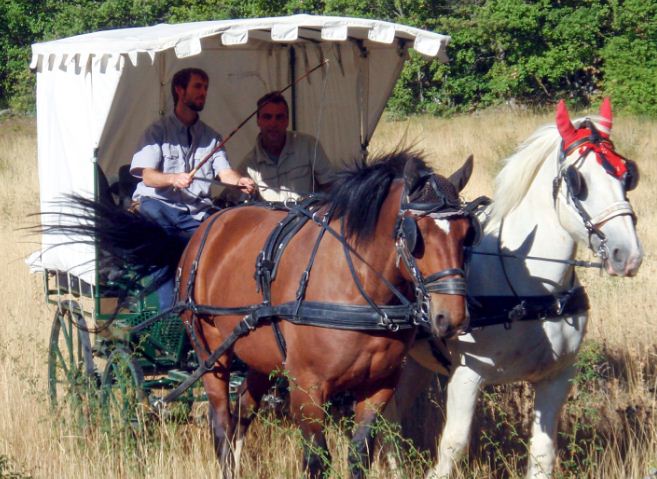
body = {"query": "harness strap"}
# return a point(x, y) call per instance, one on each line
point(347, 253)
point(360, 317)
point(280, 339)
point(272, 251)
point(493, 310)
point(243, 328)
point(435, 284)
point(398, 294)
point(615, 209)
point(305, 276)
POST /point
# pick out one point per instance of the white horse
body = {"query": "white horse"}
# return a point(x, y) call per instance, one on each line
point(563, 187)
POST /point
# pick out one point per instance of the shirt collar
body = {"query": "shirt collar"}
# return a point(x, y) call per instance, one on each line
point(288, 149)
point(180, 126)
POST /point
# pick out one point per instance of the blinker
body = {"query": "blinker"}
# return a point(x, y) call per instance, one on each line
point(575, 183)
point(631, 178)
point(409, 231)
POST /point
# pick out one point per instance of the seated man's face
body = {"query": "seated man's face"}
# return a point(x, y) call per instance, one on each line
point(273, 120)
point(195, 94)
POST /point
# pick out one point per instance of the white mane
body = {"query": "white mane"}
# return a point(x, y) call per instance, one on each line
point(520, 169)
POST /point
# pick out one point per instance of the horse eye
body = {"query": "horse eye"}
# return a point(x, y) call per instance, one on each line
point(631, 179)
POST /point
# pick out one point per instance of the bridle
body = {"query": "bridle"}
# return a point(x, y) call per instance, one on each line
point(449, 281)
point(603, 148)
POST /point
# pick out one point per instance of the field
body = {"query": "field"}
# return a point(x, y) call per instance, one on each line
point(608, 427)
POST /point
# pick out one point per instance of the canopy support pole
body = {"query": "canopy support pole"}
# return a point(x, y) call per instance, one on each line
point(293, 91)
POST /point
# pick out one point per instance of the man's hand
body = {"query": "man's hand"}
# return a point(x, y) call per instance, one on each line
point(247, 184)
point(156, 179)
point(180, 181)
point(233, 177)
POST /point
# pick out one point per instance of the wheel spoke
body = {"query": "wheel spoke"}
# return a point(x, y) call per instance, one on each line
point(122, 393)
point(70, 364)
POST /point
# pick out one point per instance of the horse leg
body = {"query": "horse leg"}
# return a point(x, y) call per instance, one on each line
point(251, 391)
point(549, 397)
point(414, 379)
point(462, 393)
point(369, 405)
point(307, 408)
point(221, 421)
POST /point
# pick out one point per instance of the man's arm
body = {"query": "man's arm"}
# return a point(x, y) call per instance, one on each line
point(156, 179)
point(232, 177)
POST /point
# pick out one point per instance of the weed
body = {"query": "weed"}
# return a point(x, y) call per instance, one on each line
point(7, 472)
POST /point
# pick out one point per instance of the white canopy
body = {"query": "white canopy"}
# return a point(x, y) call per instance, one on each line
point(97, 92)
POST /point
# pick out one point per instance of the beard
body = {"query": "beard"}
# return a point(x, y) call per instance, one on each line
point(195, 105)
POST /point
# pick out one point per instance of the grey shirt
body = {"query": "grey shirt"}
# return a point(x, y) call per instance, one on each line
point(165, 146)
point(300, 168)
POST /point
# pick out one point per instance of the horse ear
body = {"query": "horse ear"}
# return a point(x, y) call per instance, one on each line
point(564, 125)
point(461, 176)
point(605, 113)
point(415, 174)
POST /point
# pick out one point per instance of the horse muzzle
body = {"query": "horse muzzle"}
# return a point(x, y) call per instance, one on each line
point(622, 262)
point(450, 318)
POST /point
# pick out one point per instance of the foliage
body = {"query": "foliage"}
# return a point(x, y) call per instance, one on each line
point(503, 51)
point(630, 60)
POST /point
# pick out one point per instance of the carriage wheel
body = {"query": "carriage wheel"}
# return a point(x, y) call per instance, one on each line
point(123, 400)
point(72, 377)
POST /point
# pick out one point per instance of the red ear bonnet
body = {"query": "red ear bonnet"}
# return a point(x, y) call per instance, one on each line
point(613, 163)
point(564, 125)
point(606, 122)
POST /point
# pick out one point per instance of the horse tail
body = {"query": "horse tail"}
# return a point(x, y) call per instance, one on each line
point(128, 241)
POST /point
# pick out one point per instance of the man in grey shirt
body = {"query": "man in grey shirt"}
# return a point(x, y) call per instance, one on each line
point(169, 150)
point(285, 164)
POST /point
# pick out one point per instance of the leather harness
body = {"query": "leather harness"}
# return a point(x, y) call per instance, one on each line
point(367, 317)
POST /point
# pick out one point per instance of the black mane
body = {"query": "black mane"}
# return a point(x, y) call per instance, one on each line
point(358, 193)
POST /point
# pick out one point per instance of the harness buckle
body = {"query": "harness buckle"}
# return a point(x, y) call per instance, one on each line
point(393, 327)
point(518, 312)
point(250, 321)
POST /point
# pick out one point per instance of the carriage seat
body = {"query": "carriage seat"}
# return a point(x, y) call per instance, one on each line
point(124, 187)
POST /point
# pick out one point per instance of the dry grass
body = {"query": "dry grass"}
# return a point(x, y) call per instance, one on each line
point(609, 425)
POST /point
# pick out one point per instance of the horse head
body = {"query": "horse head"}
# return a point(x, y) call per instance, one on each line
point(432, 230)
point(590, 190)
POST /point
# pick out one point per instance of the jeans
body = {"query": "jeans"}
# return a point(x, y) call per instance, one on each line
point(176, 222)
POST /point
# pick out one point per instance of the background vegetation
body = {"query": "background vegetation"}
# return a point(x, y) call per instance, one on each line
point(503, 51)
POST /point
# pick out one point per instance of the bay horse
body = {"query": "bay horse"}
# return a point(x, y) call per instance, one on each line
point(564, 186)
point(328, 292)
point(392, 243)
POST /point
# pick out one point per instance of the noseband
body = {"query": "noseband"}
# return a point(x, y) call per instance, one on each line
point(597, 144)
point(449, 281)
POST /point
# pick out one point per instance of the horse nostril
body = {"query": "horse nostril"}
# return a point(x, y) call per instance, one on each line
point(440, 323)
point(617, 255)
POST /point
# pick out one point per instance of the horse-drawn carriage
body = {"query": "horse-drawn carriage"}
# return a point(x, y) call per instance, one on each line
point(95, 95)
